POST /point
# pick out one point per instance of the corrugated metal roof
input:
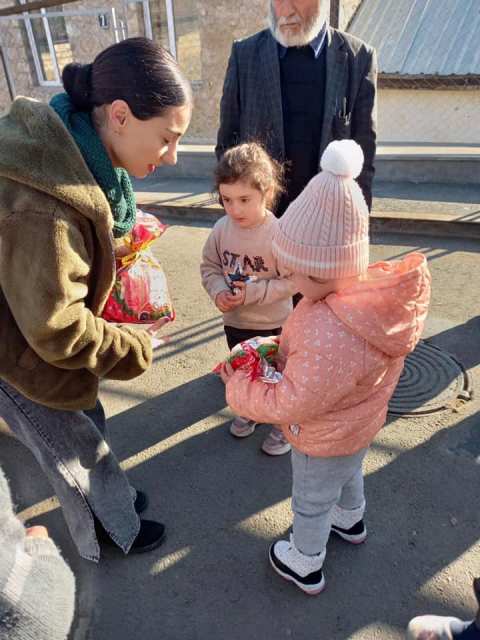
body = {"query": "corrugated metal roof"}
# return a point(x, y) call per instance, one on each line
point(416, 37)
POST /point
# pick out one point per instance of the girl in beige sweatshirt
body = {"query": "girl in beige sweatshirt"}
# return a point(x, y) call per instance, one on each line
point(239, 271)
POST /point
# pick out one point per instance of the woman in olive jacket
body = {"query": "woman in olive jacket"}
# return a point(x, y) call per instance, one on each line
point(65, 197)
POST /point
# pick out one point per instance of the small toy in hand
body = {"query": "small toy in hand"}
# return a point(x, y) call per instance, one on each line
point(238, 276)
point(257, 356)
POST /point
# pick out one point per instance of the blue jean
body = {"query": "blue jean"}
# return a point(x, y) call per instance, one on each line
point(73, 452)
point(318, 485)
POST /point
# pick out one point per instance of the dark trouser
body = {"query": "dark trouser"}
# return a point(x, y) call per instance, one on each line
point(72, 450)
point(296, 299)
point(235, 336)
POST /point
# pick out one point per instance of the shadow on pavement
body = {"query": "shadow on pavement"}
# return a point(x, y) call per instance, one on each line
point(223, 502)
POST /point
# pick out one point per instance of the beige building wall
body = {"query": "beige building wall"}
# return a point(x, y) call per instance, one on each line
point(204, 34)
point(347, 11)
point(436, 116)
point(218, 24)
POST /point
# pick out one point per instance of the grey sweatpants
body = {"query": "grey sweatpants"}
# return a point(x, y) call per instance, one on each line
point(318, 485)
point(72, 450)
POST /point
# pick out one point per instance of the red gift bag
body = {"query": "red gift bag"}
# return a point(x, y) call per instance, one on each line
point(140, 294)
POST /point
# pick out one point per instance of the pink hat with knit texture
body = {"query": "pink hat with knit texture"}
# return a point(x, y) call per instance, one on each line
point(324, 232)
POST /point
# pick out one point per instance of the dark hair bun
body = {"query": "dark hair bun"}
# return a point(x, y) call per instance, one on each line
point(136, 70)
point(77, 81)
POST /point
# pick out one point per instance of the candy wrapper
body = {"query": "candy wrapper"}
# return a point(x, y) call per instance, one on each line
point(238, 276)
point(140, 294)
point(257, 356)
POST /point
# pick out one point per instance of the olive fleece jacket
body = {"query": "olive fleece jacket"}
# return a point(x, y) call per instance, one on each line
point(57, 268)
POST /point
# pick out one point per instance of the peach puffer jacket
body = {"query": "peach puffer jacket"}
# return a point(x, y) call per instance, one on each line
point(343, 357)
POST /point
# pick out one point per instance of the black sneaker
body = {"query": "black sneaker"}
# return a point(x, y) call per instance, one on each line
point(355, 535)
point(294, 566)
point(150, 536)
point(472, 632)
point(141, 502)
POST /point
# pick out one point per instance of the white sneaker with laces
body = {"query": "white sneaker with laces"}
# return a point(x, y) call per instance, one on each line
point(446, 627)
point(436, 628)
point(275, 444)
point(348, 524)
point(242, 427)
point(294, 566)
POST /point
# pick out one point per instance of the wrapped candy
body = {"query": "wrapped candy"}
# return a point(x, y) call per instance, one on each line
point(257, 356)
point(238, 275)
point(140, 294)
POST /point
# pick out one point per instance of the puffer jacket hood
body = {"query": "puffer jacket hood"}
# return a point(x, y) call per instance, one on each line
point(389, 307)
point(343, 357)
point(39, 153)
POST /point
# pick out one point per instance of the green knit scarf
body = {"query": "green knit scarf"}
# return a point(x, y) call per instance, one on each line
point(115, 183)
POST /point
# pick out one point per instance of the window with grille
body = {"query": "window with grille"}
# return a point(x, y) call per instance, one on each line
point(172, 23)
point(49, 44)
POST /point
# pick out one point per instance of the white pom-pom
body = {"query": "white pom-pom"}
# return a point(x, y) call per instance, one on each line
point(343, 158)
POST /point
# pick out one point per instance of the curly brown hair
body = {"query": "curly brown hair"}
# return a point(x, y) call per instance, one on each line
point(250, 163)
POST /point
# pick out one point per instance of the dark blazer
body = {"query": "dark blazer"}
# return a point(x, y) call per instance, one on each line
point(251, 105)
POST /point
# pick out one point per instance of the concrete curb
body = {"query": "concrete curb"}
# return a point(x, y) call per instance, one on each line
point(381, 222)
point(456, 164)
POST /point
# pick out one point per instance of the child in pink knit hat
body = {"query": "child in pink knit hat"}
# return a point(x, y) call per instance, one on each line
point(341, 354)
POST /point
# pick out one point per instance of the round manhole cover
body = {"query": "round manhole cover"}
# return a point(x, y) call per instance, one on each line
point(432, 380)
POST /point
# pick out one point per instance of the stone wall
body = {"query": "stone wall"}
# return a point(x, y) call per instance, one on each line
point(85, 40)
point(4, 93)
point(219, 24)
point(85, 34)
point(16, 57)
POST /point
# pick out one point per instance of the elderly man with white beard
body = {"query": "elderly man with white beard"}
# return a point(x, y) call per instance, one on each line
point(295, 87)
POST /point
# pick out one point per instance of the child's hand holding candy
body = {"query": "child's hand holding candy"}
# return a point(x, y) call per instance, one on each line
point(239, 293)
point(256, 356)
point(227, 300)
point(223, 301)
